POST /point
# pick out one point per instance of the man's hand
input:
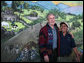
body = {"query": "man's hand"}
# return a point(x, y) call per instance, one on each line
point(46, 58)
point(71, 34)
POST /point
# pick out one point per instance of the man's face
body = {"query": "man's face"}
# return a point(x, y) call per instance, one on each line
point(51, 19)
point(64, 28)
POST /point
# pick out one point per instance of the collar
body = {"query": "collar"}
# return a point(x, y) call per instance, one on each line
point(55, 25)
point(65, 35)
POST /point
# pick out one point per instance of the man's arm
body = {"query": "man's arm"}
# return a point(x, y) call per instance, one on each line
point(71, 34)
point(42, 46)
point(59, 28)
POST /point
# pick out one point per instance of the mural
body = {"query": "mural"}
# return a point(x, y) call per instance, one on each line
point(21, 22)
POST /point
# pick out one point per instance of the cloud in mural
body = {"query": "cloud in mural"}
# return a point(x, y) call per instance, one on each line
point(70, 3)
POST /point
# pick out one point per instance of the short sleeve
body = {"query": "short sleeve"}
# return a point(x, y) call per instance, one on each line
point(73, 43)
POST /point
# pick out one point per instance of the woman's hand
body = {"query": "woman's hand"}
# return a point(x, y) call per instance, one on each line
point(78, 58)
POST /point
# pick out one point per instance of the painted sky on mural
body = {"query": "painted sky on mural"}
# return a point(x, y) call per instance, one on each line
point(70, 3)
point(73, 7)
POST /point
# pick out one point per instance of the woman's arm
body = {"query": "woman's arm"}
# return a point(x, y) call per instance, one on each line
point(77, 54)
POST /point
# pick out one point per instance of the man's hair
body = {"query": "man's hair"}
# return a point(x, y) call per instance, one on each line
point(48, 15)
point(63, 23)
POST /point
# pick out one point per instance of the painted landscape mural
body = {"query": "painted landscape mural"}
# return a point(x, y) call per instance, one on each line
point(21, 22)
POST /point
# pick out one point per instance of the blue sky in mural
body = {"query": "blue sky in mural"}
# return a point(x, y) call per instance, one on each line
point(8, 2)
point(77, 9)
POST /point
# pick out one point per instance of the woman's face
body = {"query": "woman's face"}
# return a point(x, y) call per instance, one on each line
point(64, 28)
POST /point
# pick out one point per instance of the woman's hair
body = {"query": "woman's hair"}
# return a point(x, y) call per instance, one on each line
point(63, 23)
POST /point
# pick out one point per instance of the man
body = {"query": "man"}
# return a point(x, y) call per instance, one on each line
point(67, 44)
point(49, 40)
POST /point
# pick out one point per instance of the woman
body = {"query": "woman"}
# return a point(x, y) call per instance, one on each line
point(67, 44)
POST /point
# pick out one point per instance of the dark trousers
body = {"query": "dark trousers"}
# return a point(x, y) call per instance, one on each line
point(53, 56)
